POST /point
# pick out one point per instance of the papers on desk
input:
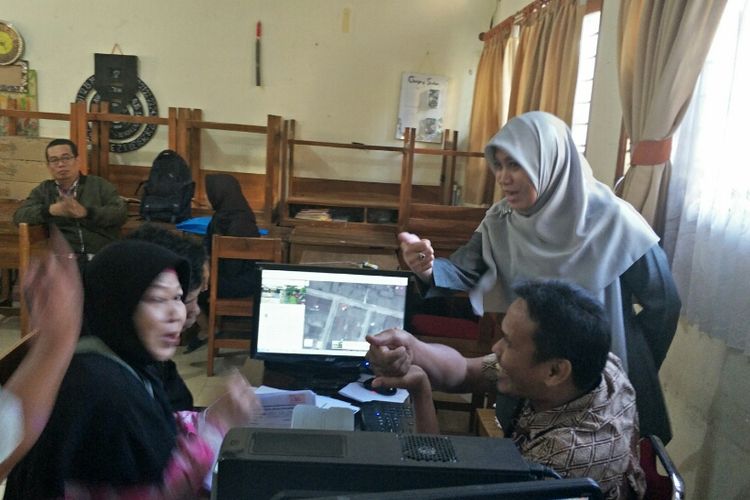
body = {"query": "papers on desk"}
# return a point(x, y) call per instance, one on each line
point(303, 410)
point(278, 407)
point(332, 419)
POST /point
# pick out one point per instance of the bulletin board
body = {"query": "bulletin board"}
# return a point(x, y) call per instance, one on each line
point(422, 106)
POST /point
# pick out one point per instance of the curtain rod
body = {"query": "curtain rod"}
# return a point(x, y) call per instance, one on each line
point(514, 19)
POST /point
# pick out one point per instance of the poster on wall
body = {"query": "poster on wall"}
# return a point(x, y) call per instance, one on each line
point(25, 100)
point(422, 106)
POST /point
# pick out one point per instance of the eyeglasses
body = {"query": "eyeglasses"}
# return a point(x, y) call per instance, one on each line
point(63, 159)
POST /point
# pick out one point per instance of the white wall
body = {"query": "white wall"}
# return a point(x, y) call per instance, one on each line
point(340, 85)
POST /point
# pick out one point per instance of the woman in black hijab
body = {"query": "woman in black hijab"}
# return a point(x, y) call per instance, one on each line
point(233, 217)
point(112, 432)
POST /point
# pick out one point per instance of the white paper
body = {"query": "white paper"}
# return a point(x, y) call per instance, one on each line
point(332, 419)
point(278, 407)
point(357, 392)
point(328, 402)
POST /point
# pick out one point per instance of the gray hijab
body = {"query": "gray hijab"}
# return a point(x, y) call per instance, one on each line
point(577, 230)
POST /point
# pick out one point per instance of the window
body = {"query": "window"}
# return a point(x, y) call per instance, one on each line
point(585, 82)
point(708, 213)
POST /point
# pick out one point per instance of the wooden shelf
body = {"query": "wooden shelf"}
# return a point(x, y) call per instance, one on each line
point(343, 202)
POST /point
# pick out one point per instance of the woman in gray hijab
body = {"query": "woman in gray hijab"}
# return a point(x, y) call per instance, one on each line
point(557, 221)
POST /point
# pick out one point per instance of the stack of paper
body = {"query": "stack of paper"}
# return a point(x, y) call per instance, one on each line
point(303, 410)
point(314, 214)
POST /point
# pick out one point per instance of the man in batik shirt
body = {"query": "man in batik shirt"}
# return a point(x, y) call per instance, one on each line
point(576, 411)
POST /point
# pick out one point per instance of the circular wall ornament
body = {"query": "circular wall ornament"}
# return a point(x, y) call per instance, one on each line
point(125, 137)
point(11, 43)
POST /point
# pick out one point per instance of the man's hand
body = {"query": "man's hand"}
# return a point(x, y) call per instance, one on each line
point(390, 353)
point(415, 381)
point(58, 209)
point(418, 254)
point(75, 209)
point(68, 206)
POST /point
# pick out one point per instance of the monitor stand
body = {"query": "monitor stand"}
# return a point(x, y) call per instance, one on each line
point(325, 380)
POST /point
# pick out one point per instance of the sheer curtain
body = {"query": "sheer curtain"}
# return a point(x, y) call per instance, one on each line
point(662, 47)
point(708, 213)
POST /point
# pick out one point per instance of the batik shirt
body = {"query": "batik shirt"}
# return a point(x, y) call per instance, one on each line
point(595, 435)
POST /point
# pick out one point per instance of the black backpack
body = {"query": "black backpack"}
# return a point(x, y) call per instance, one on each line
point(169, 189)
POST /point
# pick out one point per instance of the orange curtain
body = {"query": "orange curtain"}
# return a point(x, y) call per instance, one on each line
point(546, 66)
point(534, 70)
point(662, 47)
point(489, 108)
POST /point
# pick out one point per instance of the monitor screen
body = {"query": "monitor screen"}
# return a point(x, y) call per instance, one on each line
point(322, 314)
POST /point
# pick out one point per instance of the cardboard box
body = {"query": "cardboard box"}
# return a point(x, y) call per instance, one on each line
point(22, 166)
point(23, 148)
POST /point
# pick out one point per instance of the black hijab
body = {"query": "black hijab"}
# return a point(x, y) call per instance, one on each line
point(112, 424)
point(233, 216)
point(114, 283)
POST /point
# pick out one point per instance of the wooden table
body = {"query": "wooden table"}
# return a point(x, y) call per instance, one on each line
point(343, 245)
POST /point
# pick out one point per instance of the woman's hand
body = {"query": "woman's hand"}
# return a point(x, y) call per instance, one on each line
point(418, 254)
point(237, 408)
point(54, 296)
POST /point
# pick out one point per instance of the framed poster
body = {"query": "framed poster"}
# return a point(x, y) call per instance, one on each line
point(421, 106)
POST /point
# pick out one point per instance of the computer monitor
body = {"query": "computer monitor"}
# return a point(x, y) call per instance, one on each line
point(312, 320)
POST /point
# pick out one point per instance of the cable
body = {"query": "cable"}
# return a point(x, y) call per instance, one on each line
point(542, 471)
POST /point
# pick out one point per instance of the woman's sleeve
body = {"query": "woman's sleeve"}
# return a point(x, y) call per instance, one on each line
point(11, 421)
point(462, 270)
point(650, 281)
point(184, 477)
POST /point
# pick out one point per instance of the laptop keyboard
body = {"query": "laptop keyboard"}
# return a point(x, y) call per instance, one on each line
point(384, 416)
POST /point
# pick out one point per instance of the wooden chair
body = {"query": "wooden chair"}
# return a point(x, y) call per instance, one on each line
point(31, 240)
point(12, 357)
point(231, 247)
point(487, 423)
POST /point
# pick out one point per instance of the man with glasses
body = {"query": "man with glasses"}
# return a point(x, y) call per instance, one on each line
point(86, 208)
